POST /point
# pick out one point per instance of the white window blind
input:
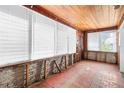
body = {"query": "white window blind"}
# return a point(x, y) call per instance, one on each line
point(13, 34)
point(71, 40)
point(43, 37)
point(66, 39)
point(61, 39)
point(26, 35)
point(93, 41)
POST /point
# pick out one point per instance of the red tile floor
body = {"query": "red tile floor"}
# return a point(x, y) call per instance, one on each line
point(85, 74)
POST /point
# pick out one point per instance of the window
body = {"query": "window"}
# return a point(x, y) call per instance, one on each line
point(93, 41)
point(61, 43)
point(27, 35)
point(102, 41)
point(71, 40)
point(14, 26)
point(108, 41)
point(43, 37)
point(65, 40)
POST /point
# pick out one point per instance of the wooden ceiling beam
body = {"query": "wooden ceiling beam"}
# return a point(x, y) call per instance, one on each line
point(102, 29)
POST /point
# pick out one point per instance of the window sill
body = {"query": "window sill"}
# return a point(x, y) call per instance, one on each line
point(100, 51)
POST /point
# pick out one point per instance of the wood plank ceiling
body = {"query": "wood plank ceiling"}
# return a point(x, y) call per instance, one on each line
point(85, 17)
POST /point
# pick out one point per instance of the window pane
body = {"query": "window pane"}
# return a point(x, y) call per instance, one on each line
point(61, 39)
point(93, 41)
point(43, 37)
point(108, 41)
point(66, 39)
point(71, 40)
point(14, 32)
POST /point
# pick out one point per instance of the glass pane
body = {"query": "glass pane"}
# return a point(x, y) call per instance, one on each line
point(108, 41)
point(102, 41)
point(14, 32)
point(93, 41)
point(71, 40)
point(43, 37)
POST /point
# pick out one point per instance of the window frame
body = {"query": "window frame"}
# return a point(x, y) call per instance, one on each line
point(100, 41)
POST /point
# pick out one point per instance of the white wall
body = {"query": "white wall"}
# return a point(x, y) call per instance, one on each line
point(121, 30)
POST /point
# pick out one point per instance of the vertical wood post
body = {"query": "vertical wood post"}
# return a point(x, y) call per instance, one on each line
point(96, 56)
point(27, 75)
point(117, 48)
point(72, 59)
point(45, 69)
point(85, 45)
point(65, 62)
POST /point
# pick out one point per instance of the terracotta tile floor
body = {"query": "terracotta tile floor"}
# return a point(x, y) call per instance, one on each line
point(85, 74)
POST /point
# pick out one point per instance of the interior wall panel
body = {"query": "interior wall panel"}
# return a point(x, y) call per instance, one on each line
point(101, 57)
point(107, 57)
